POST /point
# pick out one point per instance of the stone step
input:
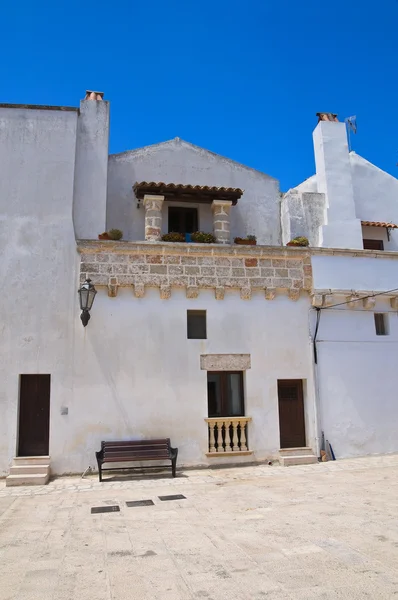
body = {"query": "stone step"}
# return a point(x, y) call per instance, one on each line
point(304, 451)
point(30, 470)
point(302, 459)
point(31, 460)
point(14, 480)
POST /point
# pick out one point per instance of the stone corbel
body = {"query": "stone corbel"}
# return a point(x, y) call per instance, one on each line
point(192, 291)
point(270, 293)
point(369, 302)
point(245, 293)
point(112, 287)
point(220, 293)
point(139, 290)
point(165, 292)
point(294, 294)
point(317, 300)
point(394, 303)
point(328, 300)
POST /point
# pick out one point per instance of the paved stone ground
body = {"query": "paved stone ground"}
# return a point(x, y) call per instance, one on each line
point(321, 532)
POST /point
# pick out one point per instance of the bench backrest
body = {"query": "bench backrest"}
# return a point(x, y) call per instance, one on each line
point(159, 448)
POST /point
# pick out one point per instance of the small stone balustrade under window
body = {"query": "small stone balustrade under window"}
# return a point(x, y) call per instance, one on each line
point(228, 436)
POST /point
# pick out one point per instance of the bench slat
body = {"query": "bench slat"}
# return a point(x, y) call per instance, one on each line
point(134, 454)
point(165, 441)
point(137, 448)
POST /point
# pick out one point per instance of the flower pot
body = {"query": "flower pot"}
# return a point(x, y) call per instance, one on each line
point(297, 245)
point(243, 242)
point(104, 236)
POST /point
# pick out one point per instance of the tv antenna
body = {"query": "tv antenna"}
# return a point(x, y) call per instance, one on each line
point(351, 124)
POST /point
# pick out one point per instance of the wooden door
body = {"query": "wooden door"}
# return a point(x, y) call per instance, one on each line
point(291, 413)
point(34, 415)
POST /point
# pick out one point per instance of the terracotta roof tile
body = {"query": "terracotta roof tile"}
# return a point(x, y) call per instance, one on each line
point(379, 224)
point(90, 95)
point(183, 186)
point(181, 189)
point(327, 117)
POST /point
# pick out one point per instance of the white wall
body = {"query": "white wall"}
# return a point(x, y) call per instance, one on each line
point(376, 194)
point(302, 214)
point(176, 161)
point(38, 265)
point(362, 273)
point(357, 380)
point(137, 374)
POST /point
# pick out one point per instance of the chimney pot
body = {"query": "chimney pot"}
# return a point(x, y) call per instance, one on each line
point(91, 95)
point(327, 117)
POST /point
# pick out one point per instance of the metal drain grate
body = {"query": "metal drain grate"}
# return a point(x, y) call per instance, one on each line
point(175, 497)
point(104, 509)
point(140, 503)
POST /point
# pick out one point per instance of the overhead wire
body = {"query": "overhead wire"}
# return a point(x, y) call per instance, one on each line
point(320, 308)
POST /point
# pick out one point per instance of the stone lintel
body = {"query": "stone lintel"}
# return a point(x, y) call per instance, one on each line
point(225, 362)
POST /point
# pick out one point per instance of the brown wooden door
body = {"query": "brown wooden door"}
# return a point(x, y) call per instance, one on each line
point(291, 413)
point(34, 415)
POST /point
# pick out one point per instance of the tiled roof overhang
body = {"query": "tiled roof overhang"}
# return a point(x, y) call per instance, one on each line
point(186, 192)
point(379, 224)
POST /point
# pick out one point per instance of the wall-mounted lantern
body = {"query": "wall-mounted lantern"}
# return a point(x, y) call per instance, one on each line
point(86, 297)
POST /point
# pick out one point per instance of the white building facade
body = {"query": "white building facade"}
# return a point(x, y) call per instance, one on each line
point(234, 352)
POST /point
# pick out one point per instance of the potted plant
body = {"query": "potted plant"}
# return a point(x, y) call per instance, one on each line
point(115, 234)
point(299, 241)
point(112, 234)
point(200, 237)
point(249, 240)
point(173, 237)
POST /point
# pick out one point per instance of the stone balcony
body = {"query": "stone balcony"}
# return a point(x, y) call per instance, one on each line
point(194, 267)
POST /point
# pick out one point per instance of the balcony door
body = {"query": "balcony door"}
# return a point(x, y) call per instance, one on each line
point(183, 219)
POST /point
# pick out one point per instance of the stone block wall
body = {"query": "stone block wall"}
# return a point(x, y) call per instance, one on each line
point(195, 267)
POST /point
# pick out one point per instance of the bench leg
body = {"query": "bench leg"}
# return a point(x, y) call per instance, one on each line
point(173, 466)
point(100, 472)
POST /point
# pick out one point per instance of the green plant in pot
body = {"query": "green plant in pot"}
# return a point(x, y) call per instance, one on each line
point(115, 234)
point(200, 237)
point(299, 241)
point(173, 237)
point(249, 240)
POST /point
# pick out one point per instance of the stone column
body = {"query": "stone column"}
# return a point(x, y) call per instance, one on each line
point(153, 217)
point(221, 227)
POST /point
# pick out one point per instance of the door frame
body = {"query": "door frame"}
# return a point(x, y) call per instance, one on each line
point(18, 424)
point(301, 398)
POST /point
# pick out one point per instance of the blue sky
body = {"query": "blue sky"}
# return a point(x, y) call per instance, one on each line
point(243, 78)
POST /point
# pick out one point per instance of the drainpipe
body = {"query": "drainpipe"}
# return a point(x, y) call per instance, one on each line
point(317, 409)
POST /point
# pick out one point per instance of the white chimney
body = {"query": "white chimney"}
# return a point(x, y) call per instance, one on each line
point(91, 166)
point(333, 173)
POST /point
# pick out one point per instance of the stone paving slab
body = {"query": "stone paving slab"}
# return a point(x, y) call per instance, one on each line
point(325, 531)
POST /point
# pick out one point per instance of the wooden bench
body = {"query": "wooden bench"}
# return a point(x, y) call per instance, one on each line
point(132, 451)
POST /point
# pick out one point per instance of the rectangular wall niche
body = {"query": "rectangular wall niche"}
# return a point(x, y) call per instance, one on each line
point(225, 362)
